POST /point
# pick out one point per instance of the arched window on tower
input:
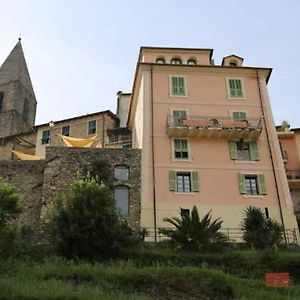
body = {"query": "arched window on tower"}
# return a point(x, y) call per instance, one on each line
point(25, 110)
point(1, 101)
point(122, 200)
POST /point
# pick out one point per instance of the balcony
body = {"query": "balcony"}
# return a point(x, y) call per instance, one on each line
point(118, 136)
point(214, 127)
point(293, 177)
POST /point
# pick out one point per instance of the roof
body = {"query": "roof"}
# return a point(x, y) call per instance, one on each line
point(15, 68)
point(108, 112)
point(231, 56)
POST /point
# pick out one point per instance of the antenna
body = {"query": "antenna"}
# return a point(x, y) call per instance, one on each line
point(20, 34)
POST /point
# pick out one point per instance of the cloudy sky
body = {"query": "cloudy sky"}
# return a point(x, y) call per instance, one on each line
point(80, 53)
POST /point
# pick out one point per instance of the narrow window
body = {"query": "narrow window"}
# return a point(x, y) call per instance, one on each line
point(1, 101)
point(176, 61)
point(181, 149)
point(178, 86)
point(92, 127)
point(183, 182)
point(160, 60)
point(65, 130)
point(46, 137)
point(25, 110)
point(121, 173)
point(251, 185)
point(235, 88)
point(122, 200)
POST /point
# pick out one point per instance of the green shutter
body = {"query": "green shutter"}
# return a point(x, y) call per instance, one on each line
point(181, 86)
point(232, 88)
point(233, 150)
point(254, 152)
point(235, 87)
point(262, 189)
point(241, 180)
point(174, 86)
point(172, 181)
point(239, 116)
point(195, 186)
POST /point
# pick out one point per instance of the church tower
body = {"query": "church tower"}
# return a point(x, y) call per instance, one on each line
point(17, 99)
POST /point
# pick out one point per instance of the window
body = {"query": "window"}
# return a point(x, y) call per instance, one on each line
point(184, 212)
point(92, 127)
point(176, 61)
point(122, 200)
point(241, 150)
point(178, 86)
point(235, 88)
point(239, 116)
point(252, 184)
point(233, 63)
point(121, 173)
point(46, 137)
point(25, 110)
point(179, 116)
point(1, 101)
point(181, 149)
point(160, 60)
point(191, 61)
point(184, 182)
point(65, 130)
point(267, 213)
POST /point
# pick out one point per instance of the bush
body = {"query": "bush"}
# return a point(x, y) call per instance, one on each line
point(193, 234)
point(9, 211)
point(260, 232)
point(85, 224)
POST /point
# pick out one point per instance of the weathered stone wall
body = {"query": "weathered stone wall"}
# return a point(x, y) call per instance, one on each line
point(27, 177)
point(63, 165)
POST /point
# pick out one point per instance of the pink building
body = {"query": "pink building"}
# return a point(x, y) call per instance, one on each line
point(207, 137)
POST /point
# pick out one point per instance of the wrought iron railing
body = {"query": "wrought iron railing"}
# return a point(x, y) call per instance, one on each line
point(118, 138)
point(214, 122)
point(233, 234)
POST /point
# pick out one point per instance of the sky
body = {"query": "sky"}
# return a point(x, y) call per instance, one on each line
point(81, 53)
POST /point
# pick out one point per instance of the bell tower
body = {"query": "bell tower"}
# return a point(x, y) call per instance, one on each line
point(17, 98)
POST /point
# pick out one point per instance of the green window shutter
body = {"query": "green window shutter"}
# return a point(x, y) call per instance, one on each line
point(254, 152)
point(241, 180)
point(174, 85)
point(195, 186)
point(181, 86)
point(232, 88)
point(233, 150)
point(262, 188)
point(172, 181)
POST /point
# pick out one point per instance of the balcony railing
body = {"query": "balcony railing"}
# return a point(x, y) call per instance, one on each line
point(198, 126)
point(118, 138)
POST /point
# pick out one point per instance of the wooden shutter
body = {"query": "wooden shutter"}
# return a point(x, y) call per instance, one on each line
point(262, 188)
point(241, 181)
point(233, 150)
point(239, 87)
point(239, 116)
point(172, 181)
point(254, 152)
point(195, 186)
point(181, 86)
point(232, 88)
point(174, 85)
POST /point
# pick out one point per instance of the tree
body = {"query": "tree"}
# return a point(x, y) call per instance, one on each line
point(260, 232)
point(194, 234)
point(9, 211)
point(85, 224)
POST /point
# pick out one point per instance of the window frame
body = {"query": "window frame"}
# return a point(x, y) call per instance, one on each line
point(122, 187)
point(177, 59)
point(194, 181)
point(253, 149)
point(67, 126)
point(229, 96)
point(193, 60)
point(47, 140)
point(232, 112)
point(88, 127)
point(187, 150)
point(171, 76)
point(122, 167)
point(261, 184)
point(163, 60)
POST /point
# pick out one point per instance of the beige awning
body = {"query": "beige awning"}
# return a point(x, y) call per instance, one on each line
point(76, 142)
point(24, 156)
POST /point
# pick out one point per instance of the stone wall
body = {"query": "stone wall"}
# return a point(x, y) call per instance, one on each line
point(27, 177)
point(63, 165)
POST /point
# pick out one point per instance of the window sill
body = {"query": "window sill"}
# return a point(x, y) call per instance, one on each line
point(252, 162)
point(254, 196)
point(236, 98)
point(181, 159)
point(178, 96)
point(185, 193)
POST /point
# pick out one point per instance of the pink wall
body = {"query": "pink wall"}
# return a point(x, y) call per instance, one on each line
point(289, 145)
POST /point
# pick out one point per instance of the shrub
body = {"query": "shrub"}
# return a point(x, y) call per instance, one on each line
point(194, 234)
point(85, 224)
point(260, 232)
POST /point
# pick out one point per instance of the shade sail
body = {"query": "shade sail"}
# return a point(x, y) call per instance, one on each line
point(75, 142)
point(24, 156)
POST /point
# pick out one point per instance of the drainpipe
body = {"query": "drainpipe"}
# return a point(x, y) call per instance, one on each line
point(271, 156)
point(153, 167)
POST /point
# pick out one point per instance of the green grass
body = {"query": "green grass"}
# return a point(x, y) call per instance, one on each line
point(58, 279)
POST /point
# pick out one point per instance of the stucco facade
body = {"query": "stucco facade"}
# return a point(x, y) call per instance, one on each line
point(186, 114)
